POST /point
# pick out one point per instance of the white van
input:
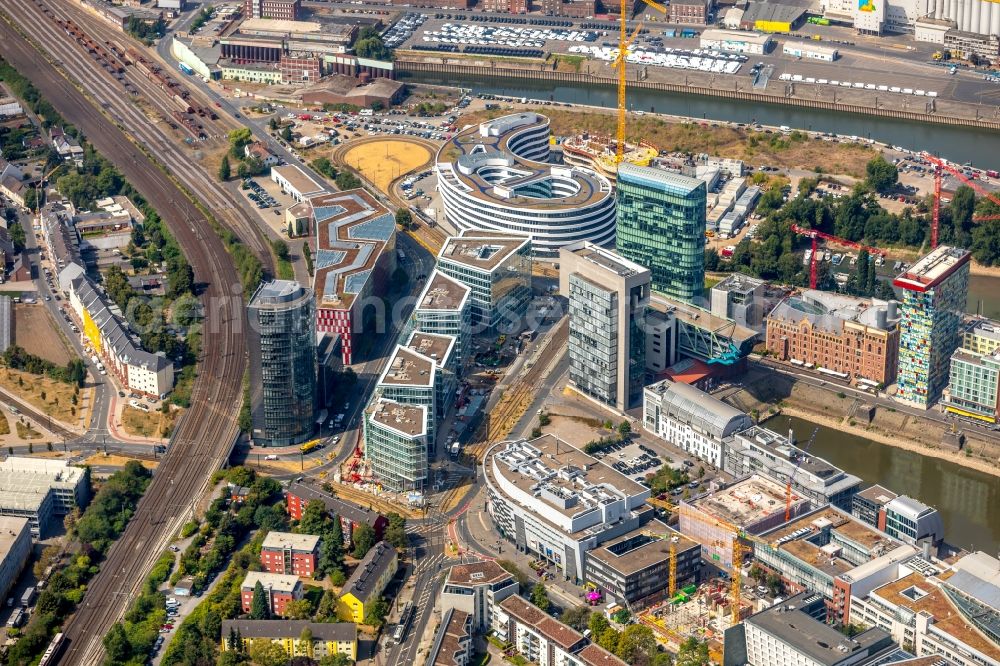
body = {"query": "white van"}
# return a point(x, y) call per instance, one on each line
point(366, 112)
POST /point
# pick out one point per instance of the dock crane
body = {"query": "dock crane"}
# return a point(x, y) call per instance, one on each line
point(939, 167)
point(791, 477)
point(624, 42)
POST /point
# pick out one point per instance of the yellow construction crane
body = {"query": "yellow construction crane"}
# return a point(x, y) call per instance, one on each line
point(672, 557)
point(624, 42)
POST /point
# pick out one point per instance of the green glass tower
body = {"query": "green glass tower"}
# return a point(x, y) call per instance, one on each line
point(661, 225)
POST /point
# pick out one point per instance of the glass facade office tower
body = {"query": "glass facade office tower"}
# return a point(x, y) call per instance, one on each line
point(661, 225)
point(282, 342)
point(934, 291)
point(608, 297)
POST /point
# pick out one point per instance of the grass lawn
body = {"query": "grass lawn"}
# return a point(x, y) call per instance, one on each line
point(152, 424)
point(4, 424)
point(24, 431)
point(47, 395)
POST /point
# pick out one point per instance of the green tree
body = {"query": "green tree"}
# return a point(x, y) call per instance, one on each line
point(259, 609)
point(624, 429)
point(314, 519)
point(962, 206)
point(331, 553)
point(335, 660)
point(336, 531)
point(597, 624)
point(693, 653)
point(224, 171)
point(180, 279)
point(372, 47)
point(280, 248)
point(286, 133)
point(540, 597)
point(327, 609)
point(347, 181)
point(116, 644)
point(299, 609)
point(377, 613)
point(609, 639)
point(363, 538)
point(577, 617)
point(238, 138)
point(522, 578)
point(404, 218)
point(395, 533)
point(635, 643)
point(882, 175)
point(266, 653)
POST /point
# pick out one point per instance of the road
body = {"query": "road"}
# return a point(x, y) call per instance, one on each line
point(202, 440)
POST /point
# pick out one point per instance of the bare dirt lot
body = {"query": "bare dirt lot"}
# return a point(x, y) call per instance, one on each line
point(383, 161)
point(38, 334)
point(148, 424)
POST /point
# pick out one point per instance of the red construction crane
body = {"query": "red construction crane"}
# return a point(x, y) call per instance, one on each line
point(814, 234)
point(940, 165)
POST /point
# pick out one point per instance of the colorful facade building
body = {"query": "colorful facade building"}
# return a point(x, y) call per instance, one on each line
point(365, 585)
point(279, 589)
point(328, 638)
point(298, 495)
point(934, 294)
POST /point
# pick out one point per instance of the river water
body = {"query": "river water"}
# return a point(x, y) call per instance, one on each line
point(959, 144)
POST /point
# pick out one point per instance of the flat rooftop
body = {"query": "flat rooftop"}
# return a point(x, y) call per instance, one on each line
point(485, 251)
point(984, 328)
point(279, 295)
point(409, 420)
point(567, 479)
point(878, 495)
point(635, 551)
point(715, 35)
point(408, 368)
point(10, 529)
point(932, 269)
point(486, 572)
point(288, 540)
point(277, 582)
point(442, 293)
point(608, 260)
point(702, 319)
point(778, 446)
point(434, 346)
point(745, 502)
point(846, 527)
point(930, 598)
point(352, 230)
point(298, 179)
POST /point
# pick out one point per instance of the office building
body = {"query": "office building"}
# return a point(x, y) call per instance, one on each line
point(913, 522)
point(497, 270)
point(741, 298)
point(759, 450)
point(754, 505)
point(846, 336)
point(441, 350)
point(412, 378)
point(298, 495)
point(354, 257)
point(297, 183)
point(68, 485)
point(475, 589)
point(444, 307)
point(282, 340)
point(693, 420)
point(15, 549)
point(288, 553)
point(635, 566)
point(285, 10)
point(328, 638)
point(868, 505)
point(661, 225)
point(936, 610)
point(102, 327)
point(814, 549)
point(794, 632)
point(981, 336)
point(279, 589)
point(608, 296)
point(365, 585)
point(934, 293)
point(973, 385)
point(396, 444)
point(452, 644)
point(497, 177)
point(556, 502)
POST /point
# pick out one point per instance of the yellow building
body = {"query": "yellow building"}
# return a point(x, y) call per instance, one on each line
point(982, 337)
point(365, 585)
point(299, 638)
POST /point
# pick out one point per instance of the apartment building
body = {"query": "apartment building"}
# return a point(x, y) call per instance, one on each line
point(475, 589)
point(288, 553)
point(298, 495)
point(452, 644)
point(365, 585)
point(328, 638)
point(279, 589)
point(973, 385)
point(535, 635)
point(851, 337)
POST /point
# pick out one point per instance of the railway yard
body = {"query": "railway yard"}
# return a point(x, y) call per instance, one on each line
point(203, 440)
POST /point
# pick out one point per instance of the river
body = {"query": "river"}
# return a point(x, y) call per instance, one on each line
point(967, 499)
point(958, 144)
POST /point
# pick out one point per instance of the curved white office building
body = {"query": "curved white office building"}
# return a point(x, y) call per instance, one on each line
point(495, 177)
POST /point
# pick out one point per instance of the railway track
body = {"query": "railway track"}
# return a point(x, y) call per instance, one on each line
point(63, 44)
point(203, 438)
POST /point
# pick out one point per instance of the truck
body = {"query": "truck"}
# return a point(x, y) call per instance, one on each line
point(454, 450)
point(184, 68)
point(27, 597)
point(16, 618)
